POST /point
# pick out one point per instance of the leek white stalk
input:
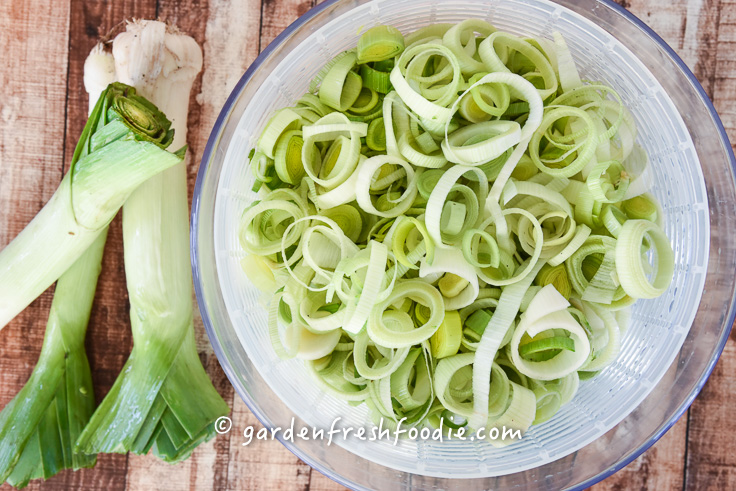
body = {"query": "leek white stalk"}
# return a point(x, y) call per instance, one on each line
point(121, 147)
point(148, 406)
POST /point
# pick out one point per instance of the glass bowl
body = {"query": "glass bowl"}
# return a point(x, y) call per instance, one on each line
point(669, 350)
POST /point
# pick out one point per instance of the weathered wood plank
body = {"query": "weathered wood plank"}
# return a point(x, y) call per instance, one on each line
point(710, 462)
point(705, 65)
point(724, 77)
point(660, 467)
point(109, 326)
point(278, 14)
point(108, 338)
point(678, 22)
point(262, 464)
point(228, 34)
point(702, 31)
point(32, 93)
point(33, 79)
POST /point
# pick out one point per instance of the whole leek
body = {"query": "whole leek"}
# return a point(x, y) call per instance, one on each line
point(122, 145)
point(163, 398)
point(39, 427)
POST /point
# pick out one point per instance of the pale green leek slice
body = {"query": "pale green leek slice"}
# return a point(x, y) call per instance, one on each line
point(366, 179)
point(347, 218)
point(461, 293)
point(580, 152)
point(401, 238)
point(493, 336)
point(480, 249)
point(411, 384)
point(283, 121)
point(504, 42)
point(439, 196)
point(288, 157)
point(481, 142)
point(380, 43)
point(376, 79)
point(444, 373)
point(555, 276)
point(446, 340)
point(461, 39)
point(387, 326)
point(376, 135)
point(548, 311)
point(341, 86)
point(435, 109)
point(566, 69)
point(381, 367)
point(640, 208)
point(630, 265)
point(519, 415)
point(608, 182)
point(337, 165)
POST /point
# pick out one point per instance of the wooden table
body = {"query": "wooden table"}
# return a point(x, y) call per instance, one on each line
point(43, 108)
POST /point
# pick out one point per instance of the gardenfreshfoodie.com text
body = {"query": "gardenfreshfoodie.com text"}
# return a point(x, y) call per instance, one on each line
point(382, 432)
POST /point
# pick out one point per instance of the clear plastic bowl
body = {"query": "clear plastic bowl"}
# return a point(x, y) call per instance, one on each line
point(614, 417)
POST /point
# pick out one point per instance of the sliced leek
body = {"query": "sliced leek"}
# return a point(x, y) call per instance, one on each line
point(380, 43)
point(452, 241)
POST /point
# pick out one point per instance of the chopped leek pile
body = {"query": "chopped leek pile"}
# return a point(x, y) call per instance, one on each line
point(452, 225)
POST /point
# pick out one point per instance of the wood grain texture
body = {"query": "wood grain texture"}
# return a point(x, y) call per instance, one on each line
point(109, 339)
point(209, 461)
point(660, 467)
point(32, 108)
point(724, 74)
point(33, 85)
point(262, 464)
point(43, 56)
point(711, 462)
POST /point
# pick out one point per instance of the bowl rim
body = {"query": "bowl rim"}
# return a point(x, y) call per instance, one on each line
point(208, 153)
